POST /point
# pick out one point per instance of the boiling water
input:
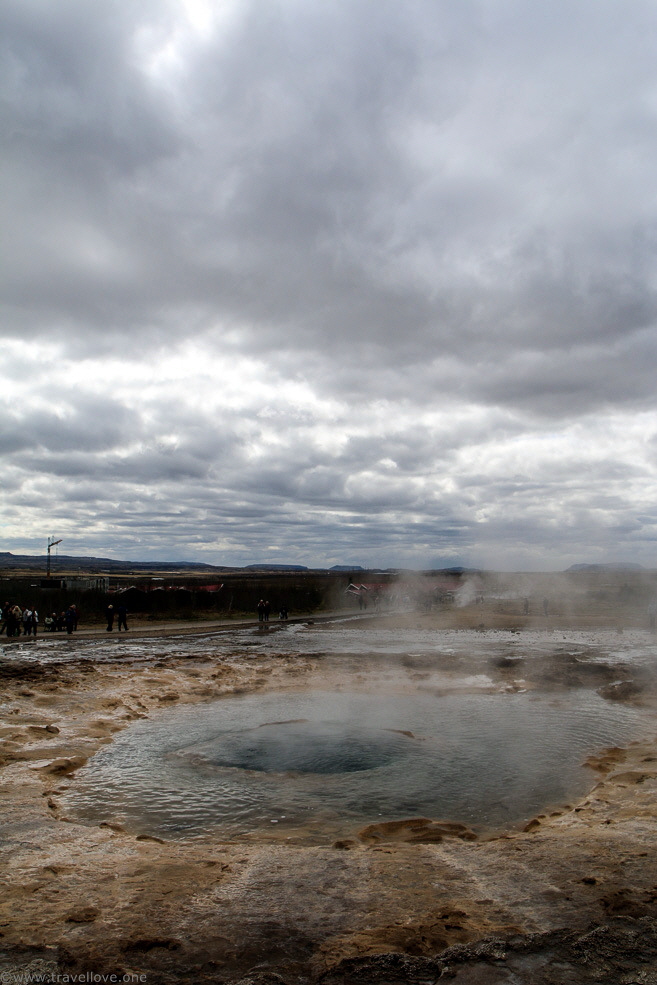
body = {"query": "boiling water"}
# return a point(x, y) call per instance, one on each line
point(317, 764)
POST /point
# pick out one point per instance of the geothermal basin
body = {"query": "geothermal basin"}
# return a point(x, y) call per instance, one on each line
point(333, 803)
point(322, 764)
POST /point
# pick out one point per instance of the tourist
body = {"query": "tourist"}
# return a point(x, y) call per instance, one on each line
point(109, 612)
point(34, 621)
point(26, 619)
point(69, 618)
point(18, 619)
point(8, 618)
point(123, 615)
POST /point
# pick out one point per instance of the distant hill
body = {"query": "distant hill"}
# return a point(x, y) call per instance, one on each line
point(613, 566)
point(114, 566)
point(275, 567)
point(65, 562)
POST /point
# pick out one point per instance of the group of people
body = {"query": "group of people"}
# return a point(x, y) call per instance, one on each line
point(23, 620)
point(121, 612)
point(264, 608)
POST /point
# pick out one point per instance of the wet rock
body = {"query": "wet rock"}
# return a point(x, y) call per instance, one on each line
point(262, 978)
point(604, 761)
point(86, 914)
point(620, 690)
point(24, 670)
point(604, 955)
point(61, 767)
point(41, 729)
point(112, 825)
point(418, 830)
point(631, 777)
point(393, 969)
point(503, 663)
point(143, 944)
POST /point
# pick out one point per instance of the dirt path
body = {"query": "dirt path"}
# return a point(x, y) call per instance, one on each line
point(140, 626)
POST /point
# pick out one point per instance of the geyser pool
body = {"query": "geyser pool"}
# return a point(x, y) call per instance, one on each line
point(316, 764)
point(303, 746)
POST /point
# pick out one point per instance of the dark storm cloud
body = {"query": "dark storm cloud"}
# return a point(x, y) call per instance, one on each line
point(314, 162)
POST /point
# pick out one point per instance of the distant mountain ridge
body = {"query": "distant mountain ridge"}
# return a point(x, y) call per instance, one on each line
point(105, 565)
point(66, 562)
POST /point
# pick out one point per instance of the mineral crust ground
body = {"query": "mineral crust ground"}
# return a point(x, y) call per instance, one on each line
point(570, 898)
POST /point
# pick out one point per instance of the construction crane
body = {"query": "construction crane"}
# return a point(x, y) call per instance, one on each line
point(51, 543)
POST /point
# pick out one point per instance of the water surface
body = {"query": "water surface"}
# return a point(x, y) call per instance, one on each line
point(321, 764)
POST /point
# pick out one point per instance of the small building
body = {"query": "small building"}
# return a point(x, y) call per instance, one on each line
point(85, 583)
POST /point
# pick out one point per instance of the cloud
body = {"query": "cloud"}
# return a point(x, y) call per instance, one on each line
point(330, 280)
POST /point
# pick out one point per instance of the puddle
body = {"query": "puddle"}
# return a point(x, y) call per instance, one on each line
point(315, 765)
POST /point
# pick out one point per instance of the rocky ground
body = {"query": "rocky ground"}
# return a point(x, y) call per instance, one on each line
point(572, 898)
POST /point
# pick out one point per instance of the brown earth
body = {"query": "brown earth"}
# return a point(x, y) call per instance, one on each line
point(572, 898)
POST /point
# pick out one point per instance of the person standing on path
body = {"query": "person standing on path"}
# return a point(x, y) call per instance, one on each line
point(123, 617)
point(69, 619)
point(109, 612)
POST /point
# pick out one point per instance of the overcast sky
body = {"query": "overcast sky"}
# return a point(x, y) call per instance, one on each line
point(330, 281)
